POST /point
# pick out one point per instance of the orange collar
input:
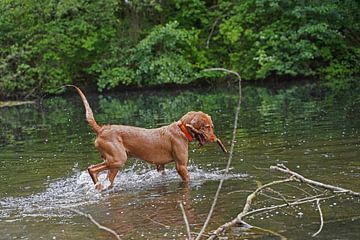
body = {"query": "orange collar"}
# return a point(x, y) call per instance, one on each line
point(185, 131)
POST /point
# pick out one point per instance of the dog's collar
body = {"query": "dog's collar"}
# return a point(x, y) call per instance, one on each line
point(185, 131)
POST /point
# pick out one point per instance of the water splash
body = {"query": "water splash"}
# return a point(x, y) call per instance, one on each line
point(78, 190)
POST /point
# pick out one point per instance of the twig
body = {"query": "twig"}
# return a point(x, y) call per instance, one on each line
point(246, 208)
point(315, 189)
point(211, 32)
point(252, 196)
point(231, 150)
point(290, 204)
point(282, 197)
point(269, 231)
point(185, 220)
point(283, 169)
point(293, 177)
point(249, 191)
point(156, 222)
point(236, 114)
point(321, 218)
point(95, 222)
point(264, 209)
point(298, 202)
point(300, 189)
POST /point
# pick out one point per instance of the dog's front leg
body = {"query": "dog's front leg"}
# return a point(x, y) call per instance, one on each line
point(180, 155)
point(160, 168)
point(183, 172)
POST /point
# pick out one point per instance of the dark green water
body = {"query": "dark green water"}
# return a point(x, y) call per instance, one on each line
point(45, 149)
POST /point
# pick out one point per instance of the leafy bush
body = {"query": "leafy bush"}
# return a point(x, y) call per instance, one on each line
point(291, 38)
point(46, 44)
point(166, 55)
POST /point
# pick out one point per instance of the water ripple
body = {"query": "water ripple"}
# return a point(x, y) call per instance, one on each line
point(78, 190)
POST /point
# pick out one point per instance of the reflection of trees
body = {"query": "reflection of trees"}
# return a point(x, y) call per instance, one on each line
point(151, 110)
point(281, 111)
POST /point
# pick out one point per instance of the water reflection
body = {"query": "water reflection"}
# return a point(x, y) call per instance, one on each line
point(45, 148)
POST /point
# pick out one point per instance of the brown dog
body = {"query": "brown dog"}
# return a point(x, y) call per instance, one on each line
point(157, 146)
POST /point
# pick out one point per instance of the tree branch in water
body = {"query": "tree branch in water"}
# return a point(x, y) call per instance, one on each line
point(283, 169)
point(238, 108)
point(95, 222)
point(293, 177)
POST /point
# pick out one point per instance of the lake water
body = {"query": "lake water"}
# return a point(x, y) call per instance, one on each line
point(45, 149)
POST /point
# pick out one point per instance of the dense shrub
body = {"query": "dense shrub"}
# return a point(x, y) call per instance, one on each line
point(46, 44)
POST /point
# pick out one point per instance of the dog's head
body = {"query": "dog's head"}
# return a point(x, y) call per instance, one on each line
point(201, 127)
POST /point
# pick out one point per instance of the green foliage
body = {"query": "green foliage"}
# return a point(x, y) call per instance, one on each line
point(44, 45)
point(164, 56)
point(292, 38)
point(112, 77)
point(47, 45)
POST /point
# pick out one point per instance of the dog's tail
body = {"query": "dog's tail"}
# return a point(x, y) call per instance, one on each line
point(89, 114)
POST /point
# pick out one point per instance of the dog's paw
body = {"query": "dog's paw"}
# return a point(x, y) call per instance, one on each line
point(99, 187)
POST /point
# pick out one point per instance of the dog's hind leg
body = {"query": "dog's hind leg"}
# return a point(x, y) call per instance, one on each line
point(94, 172)
point(115, 161)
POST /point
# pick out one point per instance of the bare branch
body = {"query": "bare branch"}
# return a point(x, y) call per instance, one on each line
point(269, 231)
point(211, 32)
point(95, 222)
point(252, 196)
point(298, 202)
point(156, 222)
point(321, 218)
point(293, 177)
point(185, 220)
point(241, 215)
point(282, 197)
point(231, 150)
point(246, 208)
point(283, 169)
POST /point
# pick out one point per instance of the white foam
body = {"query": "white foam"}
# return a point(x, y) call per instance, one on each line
point(78, 190)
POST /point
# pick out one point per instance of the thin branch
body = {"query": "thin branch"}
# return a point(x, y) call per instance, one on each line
point(321, 218)
point(299, 202)
point(315, 189)
point(211, 32)
point(95, 222)
point(241, 215)
point(283, 169)
point(293, 177)
point(252, 196)
point(211, 210)
point(269, 231)
point(231, 150)
point(246, 208)
point(185, 220)
point(301, 190)
point(264, 194)
point(279, 194)
point(237, 113)
point(156, 222)
point(290, 204)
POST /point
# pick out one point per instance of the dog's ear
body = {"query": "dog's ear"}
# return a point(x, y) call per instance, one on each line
point(192, 128)
point(196, 122)
point(189, 118)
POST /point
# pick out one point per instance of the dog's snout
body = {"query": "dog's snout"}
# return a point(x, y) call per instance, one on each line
point(212, 138)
